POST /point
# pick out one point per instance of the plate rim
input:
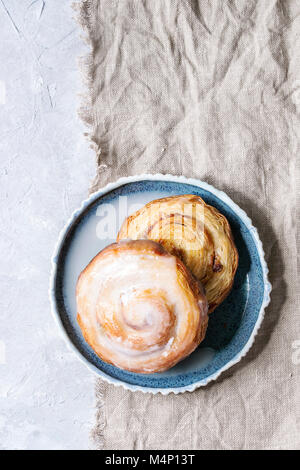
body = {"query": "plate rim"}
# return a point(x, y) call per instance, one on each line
point(177, 179)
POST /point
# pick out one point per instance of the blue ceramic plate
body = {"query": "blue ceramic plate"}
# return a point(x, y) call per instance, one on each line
point(232, 326)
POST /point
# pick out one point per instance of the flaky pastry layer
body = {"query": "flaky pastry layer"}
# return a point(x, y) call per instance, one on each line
point(195, 232)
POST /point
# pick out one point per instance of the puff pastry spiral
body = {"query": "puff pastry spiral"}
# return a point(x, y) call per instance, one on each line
point(139, 307)
point(196, 232)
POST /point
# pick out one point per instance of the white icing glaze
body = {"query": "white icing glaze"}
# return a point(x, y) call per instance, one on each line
point(135, 309)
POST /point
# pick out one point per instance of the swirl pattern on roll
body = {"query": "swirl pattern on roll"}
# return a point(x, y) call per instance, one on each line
point(195, 232)
point(139, 307)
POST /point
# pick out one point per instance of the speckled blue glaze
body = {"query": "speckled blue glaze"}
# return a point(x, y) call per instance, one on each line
point(230, 326)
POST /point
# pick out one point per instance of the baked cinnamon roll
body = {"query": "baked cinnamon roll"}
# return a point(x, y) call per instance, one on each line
point(195, 232)
point(139, 307)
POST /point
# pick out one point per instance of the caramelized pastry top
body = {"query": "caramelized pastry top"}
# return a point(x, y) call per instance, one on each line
point(195, 232)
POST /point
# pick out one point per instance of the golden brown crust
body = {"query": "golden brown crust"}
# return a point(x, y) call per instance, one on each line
point(195, 232)
point(139, 307)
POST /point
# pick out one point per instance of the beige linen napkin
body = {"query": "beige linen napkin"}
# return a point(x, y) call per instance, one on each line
point(208, 89)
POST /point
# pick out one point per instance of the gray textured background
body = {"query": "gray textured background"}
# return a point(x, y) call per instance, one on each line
point(46, 394)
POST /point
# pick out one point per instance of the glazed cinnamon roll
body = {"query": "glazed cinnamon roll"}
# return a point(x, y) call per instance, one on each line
point(139, 307)
point(195, 232)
